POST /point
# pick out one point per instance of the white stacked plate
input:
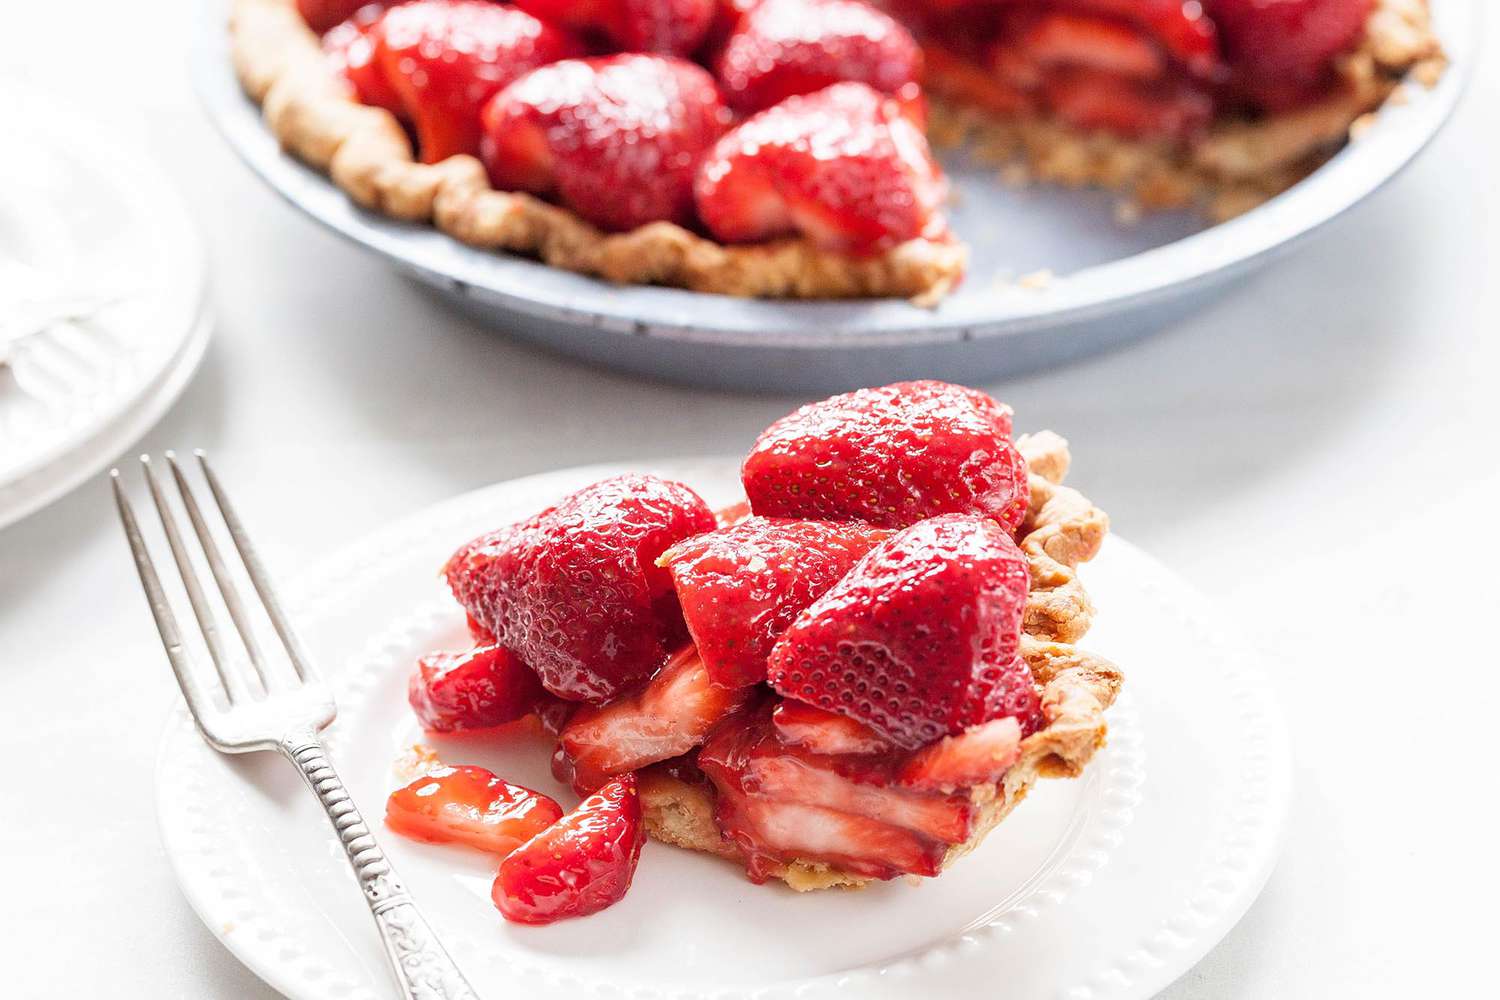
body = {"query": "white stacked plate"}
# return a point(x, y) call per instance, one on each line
point(102, 299)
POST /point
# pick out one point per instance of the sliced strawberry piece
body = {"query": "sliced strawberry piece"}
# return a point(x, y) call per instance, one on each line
point(1179, 27)
point(779, 805)
point(845, 166)
point(966, 80)
point(321, 15)
point(445, 58)
point(816, 731)
point(787, 47)
point(1109, 46)
point(733, 514)
point(1282, 50)
point(740, 587)
point(1095, 100)
point(469, 805)
point(487, 686)
point(665, 27)
point(668, 717)
point(480, 634)
point(891, 456)
point(580, 865)
point(575, 591)
point(618, 140)
point(917, 638)
point(977, 756)
point(350, 46)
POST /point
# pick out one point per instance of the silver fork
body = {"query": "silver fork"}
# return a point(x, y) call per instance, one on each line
point(282, 705)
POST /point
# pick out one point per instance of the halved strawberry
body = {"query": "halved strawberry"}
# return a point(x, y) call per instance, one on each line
point(350, 46)
point(787, 47)
point(618, 140)
point(1050, 40)
point(579, 865)
point(919, 640)
point(445, 58)
point(469, 805)
point(664, 27)
point(977, 756)
point(741, 586)
point(733, 514)
point(1280, 50)
point(575, 591)
point(668, 717)
point(1179, 27)
point(891, 456)
point(845, 166)
point(486, 686)
point(322, 15)
point(817, 731)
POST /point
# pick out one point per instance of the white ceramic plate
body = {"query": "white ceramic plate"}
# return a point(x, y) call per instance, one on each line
point(1115, 283)
point(86, 219)
point(1110, 886)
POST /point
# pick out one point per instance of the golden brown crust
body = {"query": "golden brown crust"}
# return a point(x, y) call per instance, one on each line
point(1240, 163)
point(368, 155)
point(1061, 530)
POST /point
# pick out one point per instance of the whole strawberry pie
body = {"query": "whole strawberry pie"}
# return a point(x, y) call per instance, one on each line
point(854, 680)
point(780, 148)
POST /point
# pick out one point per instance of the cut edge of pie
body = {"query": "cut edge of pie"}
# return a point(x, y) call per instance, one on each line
point(1061, 530)
point(1240, 164)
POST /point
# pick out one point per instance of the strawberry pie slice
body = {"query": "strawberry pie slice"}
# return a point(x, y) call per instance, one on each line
point(831, 694)
point(779, 148)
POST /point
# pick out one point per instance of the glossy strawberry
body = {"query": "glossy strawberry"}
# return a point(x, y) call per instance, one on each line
point(486, 686)
point(779, 804)
point(668, 717)
point(846, 166)
point(741, 586)
point(977, 756)
point(580, 865)
point(446, 58)
point(1179, 27)
point(919, 640)
point(665, 27)
point(322, 15)
point(891, 456)
point(618, 140)
point(350, 46)
point(815, 730)
point(787, 47)
point(1280, 50)
point(1094, 100)
point(575, 591)
point(469, 805)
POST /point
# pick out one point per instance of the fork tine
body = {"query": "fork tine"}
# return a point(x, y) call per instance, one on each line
point(234, 685)
point(220, 572)
point(161, 610)
point(259, 578)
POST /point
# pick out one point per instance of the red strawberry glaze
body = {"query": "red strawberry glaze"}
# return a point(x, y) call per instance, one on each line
point(576, 592)
point(350, 46)
point(1281, 52)
point(920, 639)
point(891, 456)
point(471, 806)
point(580, 865)
point(741, 586)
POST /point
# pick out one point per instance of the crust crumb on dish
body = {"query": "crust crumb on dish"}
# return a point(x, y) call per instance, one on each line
point(1061, 530)
point(368, 155)
point(1240, 164)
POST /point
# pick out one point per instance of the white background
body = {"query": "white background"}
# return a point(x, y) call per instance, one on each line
point(1318, 452)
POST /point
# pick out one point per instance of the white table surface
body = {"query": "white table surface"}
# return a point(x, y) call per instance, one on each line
point(1318, 452)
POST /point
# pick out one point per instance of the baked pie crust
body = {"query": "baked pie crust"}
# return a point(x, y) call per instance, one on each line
point(1061, 530)
point(367, 153)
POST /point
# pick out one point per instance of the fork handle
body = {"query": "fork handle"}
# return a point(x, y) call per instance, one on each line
point(423, 969)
